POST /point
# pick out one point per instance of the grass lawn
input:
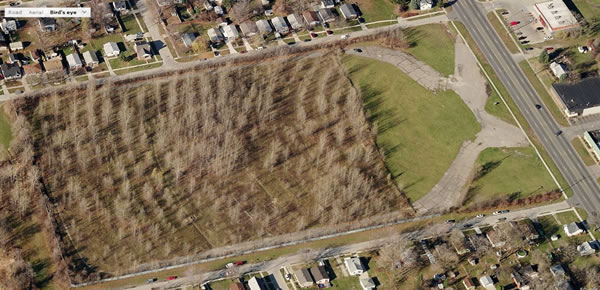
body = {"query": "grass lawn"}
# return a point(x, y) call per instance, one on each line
point(374, 10)
point(510, 103)
point(420, 132)
point(434, 45)
point(98, 43)
point(567, 217)
point(131, 25)
point(588, 8)
point(582, 151)
point(5, 131)
point(495, 107)
point(511, 171)
point(505, 36)
point(541, 90)
point(138, 68)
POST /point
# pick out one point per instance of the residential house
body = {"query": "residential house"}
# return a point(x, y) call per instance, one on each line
point(90, 58)
point(134, 37)
point(163, 3)
point(528, 230)
point(468, 283)
point(327, 15)
point(327, 4)
point(12, 58)
point(249, 28)
point(257, 284)
point(8, 26)
point(487, 282)
point(587, 248)
point(311, 18)
point(303, 277)
point(47, 24)
point(268, 12)
point(120, 6)
point(111, 49)
point(572, 229)
point(561, 279)
point(529, 272)
point(14, 46)
point(496, 238)
point(460, 244)
point(221, 21)
point(354, 266)
point(11, 71)
point(367, 283)
point(215, 35)
point(558, 69)
point(426, 4)
point(108, 12)
point(218, 10)
point(143, 50)
point(53, 65)
point(558, 271)
point(295, 21)
point(348, 11)
point(74, 61)
point(237, 286)
point(280, 25)
point(230, 31)
point(263, 26)
point(188, 39)
point(32, 69)
point(320, 275)
point(519, 281)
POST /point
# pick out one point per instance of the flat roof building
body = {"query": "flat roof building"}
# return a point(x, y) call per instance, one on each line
point(555, 16)
point(579, 99)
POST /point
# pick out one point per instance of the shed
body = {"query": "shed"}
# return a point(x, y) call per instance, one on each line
point(14, 46)
point(558, 69)
point(426, 4)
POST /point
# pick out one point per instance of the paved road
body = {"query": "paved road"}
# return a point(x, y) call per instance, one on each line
point(152, 22)
point(578, 177)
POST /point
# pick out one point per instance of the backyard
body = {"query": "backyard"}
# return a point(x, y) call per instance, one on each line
point(375, 10)
point(419, 131)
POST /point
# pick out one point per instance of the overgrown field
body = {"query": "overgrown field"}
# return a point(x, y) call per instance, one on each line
point(163, 169)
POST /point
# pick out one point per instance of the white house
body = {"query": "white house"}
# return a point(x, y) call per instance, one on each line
point(15, 46)
point(74, 61)
point(280, 25)
point(367, 283)
point(90, 58)
point(487, 282)
point(426, 4)
point(354, 266)
point(215, 35)
point(111, 49)
point(230, 31)
point(558, 69)
point(572, 229)
point(295, 21)
point(218, 10)
point(264, 27)
point(586, 249)
point(256, 284)
point(327, 4)
point(348, 11)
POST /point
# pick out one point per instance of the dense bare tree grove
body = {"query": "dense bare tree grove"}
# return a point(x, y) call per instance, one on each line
point(173, 168)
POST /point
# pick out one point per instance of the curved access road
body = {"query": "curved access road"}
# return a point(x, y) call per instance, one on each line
point(586, 189)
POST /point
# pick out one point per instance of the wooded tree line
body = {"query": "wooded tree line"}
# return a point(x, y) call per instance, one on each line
point(173, 168)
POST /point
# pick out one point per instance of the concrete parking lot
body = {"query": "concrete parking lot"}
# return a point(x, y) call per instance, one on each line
point(523, 13)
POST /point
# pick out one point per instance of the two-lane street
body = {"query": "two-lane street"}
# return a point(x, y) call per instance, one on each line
point(585, 188)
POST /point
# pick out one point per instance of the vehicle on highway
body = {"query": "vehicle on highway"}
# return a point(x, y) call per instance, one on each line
point(513, 23)
point(479, 215)
point(466, 226)
point(216, 53)
point(151, 280)
point(525, 42)
point(329, 32)
point(519, 33)
point(450, 221)
point(505, 211)
point(558, 133)
point(171, 278)
point(501, 219)
point(538, 106)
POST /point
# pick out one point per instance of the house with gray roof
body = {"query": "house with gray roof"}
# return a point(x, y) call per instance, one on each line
point(11, 71)
point(264, 27)
point(249, 28)
point(327, 15)
point(188, 39)
point(280, 25)
point(74, 61)
point(348, 11)
point(90, 58)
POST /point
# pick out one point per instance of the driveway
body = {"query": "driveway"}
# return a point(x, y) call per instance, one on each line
point(159, 43)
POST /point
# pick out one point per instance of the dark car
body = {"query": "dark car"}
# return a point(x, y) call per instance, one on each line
point(361, 20)
point(558, 133)
point(538, 106)
point(358, 50)
point(540, 28)
point(313, 35)
point(502, 219)
point(519, 33)
point(329, 32)
point(529, 48)
point(307, 40)
point(450, 221)
point(151, 280)
point(505, 13)
point(522, 37)
point(525, 42)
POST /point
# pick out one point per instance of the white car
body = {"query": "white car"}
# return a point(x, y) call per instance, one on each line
point(345, 36)
point(479, 215)
point(496, 212)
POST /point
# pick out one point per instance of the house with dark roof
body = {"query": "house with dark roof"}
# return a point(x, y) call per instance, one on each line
point(311, 18)
point(348, 11)
point(303, 277)
point(579, 99)
point(320, 275)
point(248, 28)
point(47, 24)
point(496, 238)
point(143, 50)
point(120, 6)
point(11, 71)
point(327, 15)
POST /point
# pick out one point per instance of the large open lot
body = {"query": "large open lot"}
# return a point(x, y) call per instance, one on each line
point(419, 131)
point(434, 45)
point(153, 172)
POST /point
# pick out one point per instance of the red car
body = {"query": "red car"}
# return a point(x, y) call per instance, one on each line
point(549, 48)
point(513, 23)
point(329, 32)
point(239, 263)
point(172, 278)
point(313, 35)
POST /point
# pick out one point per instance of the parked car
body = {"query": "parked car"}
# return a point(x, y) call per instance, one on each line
point(329, 32)
point(358, 50)
point(538, 106)
point(549, 48)
point(513, 23)
point(519, 33)
point(522, 37)
point(313, 35)
point(558, 133)
point(307, 40)
point(505, 13)
point(239, 263)
point(529, 48)
point(288, 276)
point(450, 221)
point(480, 216)
point(151, 280)
point(502, 219)
point(171, 278)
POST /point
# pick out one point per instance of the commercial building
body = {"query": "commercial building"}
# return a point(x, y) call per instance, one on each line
point(579, 99)
point(555, 16)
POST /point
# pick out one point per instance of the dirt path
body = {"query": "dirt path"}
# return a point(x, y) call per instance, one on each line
point(470, 85)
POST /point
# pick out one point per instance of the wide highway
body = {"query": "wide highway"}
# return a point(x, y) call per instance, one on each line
point(585, 188)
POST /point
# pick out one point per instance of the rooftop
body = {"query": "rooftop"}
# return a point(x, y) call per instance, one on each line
point(556, 14)
point(579, 96)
